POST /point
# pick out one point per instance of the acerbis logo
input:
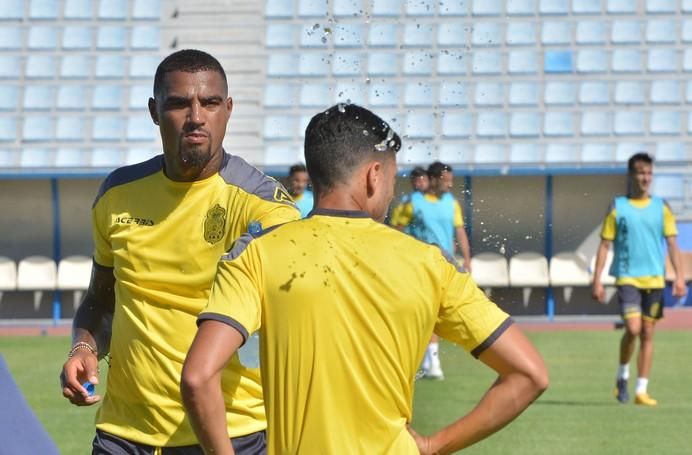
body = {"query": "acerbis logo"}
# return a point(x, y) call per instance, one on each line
point(134, 220)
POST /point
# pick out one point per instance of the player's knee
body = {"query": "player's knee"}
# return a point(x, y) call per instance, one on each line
point(647, 332)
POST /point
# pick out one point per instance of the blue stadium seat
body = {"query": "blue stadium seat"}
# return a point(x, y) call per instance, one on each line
point(107, 128)
point(525, 153)
point(312, 36)
point(522, 62)
point(626, 32)
point(279, 35)
point(523, 94)
point(586, 7)
point(558, 124)
point(596, 123)
point(418, 153)
point(451, 63)
point(687, 31)
point(490, 154)
point(418, 35)
point(346, 64)
point(662, 60)
point(661, 31)
point(11, 38)
point(556, 32)
point(106, 157)
point(386, 8)
point(626, 61)
point(75, 67)
point(455, 153)
point(554, 6)
point(8, 129)
point(451, 34)
point(36, 157)
point(107, 97)
point(520, 7)
point(42, 37)
point(486, 34)
point(37, 128)
point(457, 124)
point(113, 9)
point(347, 8)
point(665, 92)
point(279, 127)
point(313, 8)
point(110, 66)
point(70, 129)
point(525, 124)
point(590, 32)
point(660, 6)
point(111, 38)
point(9, 97)
point(281, 155)
point(139, 96)
point(71, 157)
point(146, 9)
point(38, 97)
point(276, 9)
point(628, 123)
point(279, 95)
point(145, 37)
point(491, 124)
point(672, 151)
point(558, 62)
point(487, 62)
point(521, 33)
point(310, 64)
point(382, 34)
point(560, 153)
point(382, 64)
point(9, 66)
point(687, 61)
point(625, 150)
point(40, 66)
point(420, 125)
point(664, 122)
point(386, 95)
point(314, 95)
point(453, 93)
point(420, 7)
point(594, 92)
point(76, 37)
point(486, 7)
point(349, 92)
point(592, 61)
point(559, 93)
point(489, 94)
point(418, 63)
point(595, 150)
point(629, 92)
point(622, 6)
point(418, 94)
point(669, 186)
point(348, 35)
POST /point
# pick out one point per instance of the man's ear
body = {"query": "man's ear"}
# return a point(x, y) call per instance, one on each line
point(373, 176)
point(152, 111)
point(229, 105)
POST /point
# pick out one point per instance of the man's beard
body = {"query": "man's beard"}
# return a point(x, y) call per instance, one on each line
point(195, 156)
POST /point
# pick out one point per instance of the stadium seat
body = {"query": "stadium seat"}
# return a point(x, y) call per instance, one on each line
point(528, 270)
point(489, 270)
point(348, 35)
point(622, 6)
point(559, 93)
point(592, 92)
point(660, 6)
point(625, 32)
point(418, 35)
point(626, 61)
point(662, 60)
point(451, 63)
point(279, 35)
point(558, 62)
point(418, 94)
point(418, 153)
point(347, 8)
point(592, 61)
point(380, 95)
point(521, 34)
point(455, 153)
point(672, 151)
point(418, 63)
point(487, 153)
point(590, 32)
point(487, 62)
point(629, 92)
point(523, 94)
point(586, 7)
point(554, 32)
point(454, 94)
point(629, 123)
point(74, 274)
point(491, 124)
point(421, 7)
point(596, 123)
point(38, 274)
point(664, 122)
point(525, 124)
point(558, 124)
point(312, 8)
point(420, 125)
point(487, 7)
point(486, 34)
point(346, 64)
point(453, 8)
point(525, 153)
point(569, 269)
point(522, 62)
point(520, 7)
point(382, 63)
point(687, 31)
point(384, 7)
point(489, 94)
point(665, 92)
point(8, 275)
point(661, 31)
point(457, 124)
point(553, 6)
point(450, 35)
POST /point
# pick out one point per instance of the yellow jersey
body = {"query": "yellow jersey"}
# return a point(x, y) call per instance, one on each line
point(345, 307)
point(163, 240)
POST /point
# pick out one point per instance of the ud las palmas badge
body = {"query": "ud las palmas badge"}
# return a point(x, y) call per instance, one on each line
point(214, 224)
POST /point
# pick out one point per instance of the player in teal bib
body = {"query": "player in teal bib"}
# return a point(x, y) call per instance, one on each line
point(298, 181)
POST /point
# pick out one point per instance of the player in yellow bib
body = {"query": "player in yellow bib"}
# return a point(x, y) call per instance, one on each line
point(344, 306)
point(160, 228)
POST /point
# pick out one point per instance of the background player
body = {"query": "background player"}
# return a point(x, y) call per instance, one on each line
point(298, 181)
point(637, 225)
point(345, 306)
point(419, 183)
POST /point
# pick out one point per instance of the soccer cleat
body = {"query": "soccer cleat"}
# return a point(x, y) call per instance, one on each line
point(644, 399)
point(621, 391)
point(435, 372)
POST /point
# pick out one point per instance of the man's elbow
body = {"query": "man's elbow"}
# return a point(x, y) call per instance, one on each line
point(192, 384)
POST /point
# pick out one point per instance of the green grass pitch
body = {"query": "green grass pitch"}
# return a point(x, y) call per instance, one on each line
point(577, 415)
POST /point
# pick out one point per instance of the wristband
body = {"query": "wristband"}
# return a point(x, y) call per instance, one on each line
point(80, 346)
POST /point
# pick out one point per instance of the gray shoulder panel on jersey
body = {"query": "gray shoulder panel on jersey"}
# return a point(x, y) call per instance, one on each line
point(452, 260)
point(127, 174)
point(238, 247)
point(236, 171)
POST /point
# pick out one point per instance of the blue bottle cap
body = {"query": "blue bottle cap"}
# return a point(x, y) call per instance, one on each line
point(90, 388)
point(254, 227)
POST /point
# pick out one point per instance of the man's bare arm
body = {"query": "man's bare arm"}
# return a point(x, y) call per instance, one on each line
point(522, 379)
point(91, 327)
point(598, 291)
point(200, 386)
point(679, 285)
point(465, 246)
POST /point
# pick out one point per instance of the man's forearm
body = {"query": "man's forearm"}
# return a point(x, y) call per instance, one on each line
point(464, 245)
point(503, 402)
point(207, 413)
point(92, 324)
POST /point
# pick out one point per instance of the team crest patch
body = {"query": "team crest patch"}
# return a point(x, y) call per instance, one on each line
point(214, 224)
point(280, 195)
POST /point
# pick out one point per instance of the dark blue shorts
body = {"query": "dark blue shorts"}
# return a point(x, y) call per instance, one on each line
point(108, 444)
point(644, 303)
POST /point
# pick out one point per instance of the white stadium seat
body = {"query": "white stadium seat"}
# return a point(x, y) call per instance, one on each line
point(74, 274)
point(528, 270)
point(489, 270)
point(569, 269)
point(8, 275)
point(38, 274)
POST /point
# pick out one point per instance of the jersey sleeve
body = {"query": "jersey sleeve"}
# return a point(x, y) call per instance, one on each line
point(669, 227)
point(236, 297)
point(458, 215)
point(103, 252)
point(609, 229)
point(466, 316)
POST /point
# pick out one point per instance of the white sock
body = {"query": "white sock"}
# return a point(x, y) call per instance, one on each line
point(433, 353)
point(624, 371)
point(642, 384)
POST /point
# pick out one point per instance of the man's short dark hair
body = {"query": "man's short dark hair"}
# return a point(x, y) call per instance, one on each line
point(436, 169)
point(417, 172)
point(339, 139)
point(637, 157)
point(187, 61)
point(297, 168)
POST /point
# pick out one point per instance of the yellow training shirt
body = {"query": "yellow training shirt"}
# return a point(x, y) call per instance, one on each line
point(163, 240)
point(345, 307)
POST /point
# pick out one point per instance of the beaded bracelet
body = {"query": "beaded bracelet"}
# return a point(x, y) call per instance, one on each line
point(79, 346)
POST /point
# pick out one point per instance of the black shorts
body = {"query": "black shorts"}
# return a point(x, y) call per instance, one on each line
point(108, 444)
point(644, 303)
